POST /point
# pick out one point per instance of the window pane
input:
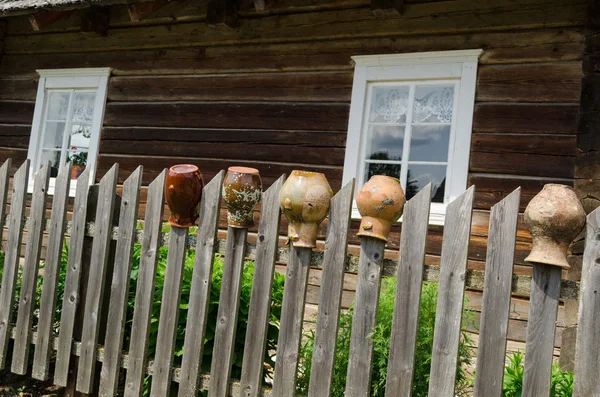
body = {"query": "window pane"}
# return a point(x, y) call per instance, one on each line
point(80, 137)
point(429, 143)
point(382, 169)
point(385, 142)
point(54, 157)
point(58, 104)
point(53, 135)
point(433, 104)
point(389, 104)
point(83, 106)
point(420, 175)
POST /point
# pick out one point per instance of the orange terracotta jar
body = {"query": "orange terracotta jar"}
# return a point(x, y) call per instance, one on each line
point(242, 189)
point(380, 202)
point(304, 199)
point(183, 191)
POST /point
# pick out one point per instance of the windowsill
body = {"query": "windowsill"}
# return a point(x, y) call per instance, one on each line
point(51, 187)
point(437, 214)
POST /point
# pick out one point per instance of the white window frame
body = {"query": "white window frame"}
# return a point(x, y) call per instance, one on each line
point(90, 79)
point(455, 67)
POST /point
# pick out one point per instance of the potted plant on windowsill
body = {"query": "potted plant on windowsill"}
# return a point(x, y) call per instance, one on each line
point(78, 161)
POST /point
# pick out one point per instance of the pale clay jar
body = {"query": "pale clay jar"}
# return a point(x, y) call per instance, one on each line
point(554, 218)
point(304, 199)
point(242, 189)
point(380, 202)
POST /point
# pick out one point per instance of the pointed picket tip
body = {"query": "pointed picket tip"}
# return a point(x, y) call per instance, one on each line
point(514, 198)
point(135, 179)
point(275, 186)
point(111, 175)
point(158, 182)
point(424, 194)
point(43, 174)
point(348, 187)
point(5, 169)
point(65, 173)
point(22, 173)
point(84, 179)
point(217, 180)
point(464, 199)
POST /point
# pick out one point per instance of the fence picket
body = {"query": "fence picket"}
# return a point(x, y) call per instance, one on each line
point(58, 221)
point(37, 220)
point(97, 275)
point(169, 312)
point(332, 282)
point(409, 280)
point(587, 358)
point(120, 284)
point(260, 301)
point(496, 296)
point(4, 179)
point(200, 289)
point(144, 293)
point(72, 280)
point(11, 258)
point(451, 290)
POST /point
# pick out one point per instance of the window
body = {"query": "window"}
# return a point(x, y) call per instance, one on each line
point(411, 118)
point(67, 120)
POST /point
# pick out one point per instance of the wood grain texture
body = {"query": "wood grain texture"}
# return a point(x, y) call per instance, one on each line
point(197, 314)
point(557, 145)
point(450, 295)
point(251, 381)
point(526, 118)
point(16, 112)
point(496, 297)
point(119, 290)
point(336, 247)
point(11, 258)
point(144, 292)
point(227, 315)
point(169, 313)
point(409, 280)
point(95, 286)
point(29, 275)
point(292, 314)
point(523, 164)
point(587, 358)
point(358, 381)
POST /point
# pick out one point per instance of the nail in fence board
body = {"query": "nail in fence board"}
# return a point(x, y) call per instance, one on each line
point(97, 276)
point(451, 290)
point(332, 282)
point(200, 290)
point(33, 249)
point(496, 296)
point(260, 301)
point(58, 221)
point(72, 280)
point(11, 258)
point(120, 284)
point(169, 312)
point(409, 280)
point(587, 358)
point(144, 293)
point(4, 178)
point(229, 303)
point(292, 315)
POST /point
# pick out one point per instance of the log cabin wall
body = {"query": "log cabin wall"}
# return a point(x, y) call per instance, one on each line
point(274, 92)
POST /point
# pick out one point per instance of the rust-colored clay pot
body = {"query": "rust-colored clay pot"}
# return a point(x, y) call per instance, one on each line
point(380, 203)
point(554, 218)
point(183, 191)
point(304, 199)
point(242, 189)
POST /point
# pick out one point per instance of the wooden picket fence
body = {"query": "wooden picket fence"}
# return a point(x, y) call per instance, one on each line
point(102, 233)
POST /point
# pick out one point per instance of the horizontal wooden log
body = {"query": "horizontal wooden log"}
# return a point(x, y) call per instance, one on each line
point(15, 136)
point(18, 156)
point(18, 89)
point(16, 112)
point(523, 164)
point(557, 145)
point(526, 118)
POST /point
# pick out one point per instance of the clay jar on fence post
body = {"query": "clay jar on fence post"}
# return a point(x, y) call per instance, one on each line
point(304, 199)
point(242, 189)
point(554, 218)
point(183, 191)
point(380, 202)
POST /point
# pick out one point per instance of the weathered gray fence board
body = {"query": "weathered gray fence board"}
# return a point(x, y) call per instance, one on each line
point(169, 313)
point(120, 284)
point(58, 218)
point(4, 179)
point(541, 326)
point(451, 290)
point(358, 383)
point(332, 282)
point(144, 293)
point(587, 359)
point(409, 280)
point(200, 290)
point(227, 315)
point(11, 258)
point(97, 276)
point(260, 300)
point(33, 249)
point(72, 280)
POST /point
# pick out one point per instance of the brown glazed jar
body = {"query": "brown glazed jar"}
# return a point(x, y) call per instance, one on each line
point(183, 191)
point(242, 189)
point(304, 199)
point(554, 218)
point(380, 202)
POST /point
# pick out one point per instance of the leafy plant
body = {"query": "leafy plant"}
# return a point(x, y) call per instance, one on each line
point(381, 340)
point(561, 383)
point(79, 158)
